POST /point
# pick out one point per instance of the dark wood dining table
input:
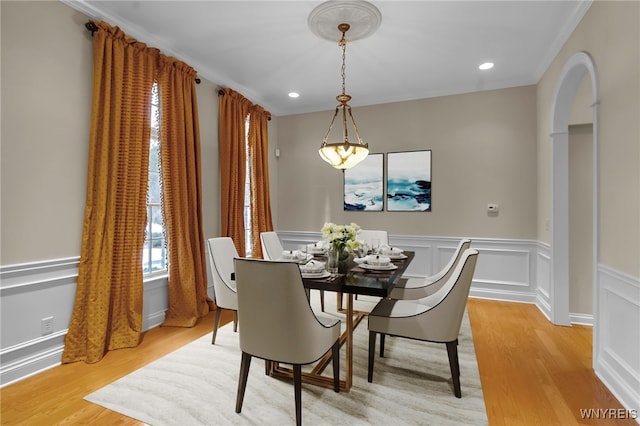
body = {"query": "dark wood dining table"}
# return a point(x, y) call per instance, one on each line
point(354, 281)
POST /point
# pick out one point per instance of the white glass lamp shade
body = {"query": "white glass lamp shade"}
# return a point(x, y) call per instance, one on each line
point(343, 156)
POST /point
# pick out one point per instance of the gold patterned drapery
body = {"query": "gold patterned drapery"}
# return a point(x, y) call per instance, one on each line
point(233, 110)
point(107, 311)
point(235, 143)
point(259, 176)
point(182, 194)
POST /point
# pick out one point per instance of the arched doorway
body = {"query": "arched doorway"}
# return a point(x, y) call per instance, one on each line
point(570, 78)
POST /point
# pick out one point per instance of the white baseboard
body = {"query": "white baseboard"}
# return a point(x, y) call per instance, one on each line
point(581, 319)
point(37, 290)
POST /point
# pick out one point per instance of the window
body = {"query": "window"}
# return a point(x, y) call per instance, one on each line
point(154, 255)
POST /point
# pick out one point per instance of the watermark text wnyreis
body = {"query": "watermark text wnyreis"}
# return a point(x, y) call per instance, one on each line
point(607, 413)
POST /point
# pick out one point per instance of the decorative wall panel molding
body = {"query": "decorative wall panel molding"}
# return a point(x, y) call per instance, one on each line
point(617, 335)
point(543, 279)
point(504, 270)
point(33, 291)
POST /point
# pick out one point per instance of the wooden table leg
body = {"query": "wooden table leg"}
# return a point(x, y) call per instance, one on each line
point(348, 367)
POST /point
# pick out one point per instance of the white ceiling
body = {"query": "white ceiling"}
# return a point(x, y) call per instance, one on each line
point(264, 49)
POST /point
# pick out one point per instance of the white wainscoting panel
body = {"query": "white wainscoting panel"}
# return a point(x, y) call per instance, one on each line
point(543, 279)
point(617, 354)
point(28, 293)
point(32, 291)
point(504, 270)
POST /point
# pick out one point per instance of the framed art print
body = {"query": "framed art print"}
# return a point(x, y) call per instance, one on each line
point(409, 181)
point(364, 185)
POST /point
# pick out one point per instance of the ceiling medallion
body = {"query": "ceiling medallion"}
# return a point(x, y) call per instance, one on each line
point(362, 17)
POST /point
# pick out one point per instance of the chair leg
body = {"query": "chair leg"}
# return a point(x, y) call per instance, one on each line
point(335, 360)
point(382, 338)
point(297, 385)
point(452, 351)
point(235, 321)
point(372, 351)
point(245, 363)
point(216, 324)
point(322, 300)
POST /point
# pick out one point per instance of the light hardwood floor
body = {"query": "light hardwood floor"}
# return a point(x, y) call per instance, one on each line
point(532, 372)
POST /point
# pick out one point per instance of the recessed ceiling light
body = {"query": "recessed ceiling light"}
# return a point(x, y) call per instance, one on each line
point(294, 94)
point(486, 66)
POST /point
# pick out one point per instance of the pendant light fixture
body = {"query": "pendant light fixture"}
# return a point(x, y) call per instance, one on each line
point(344, 153)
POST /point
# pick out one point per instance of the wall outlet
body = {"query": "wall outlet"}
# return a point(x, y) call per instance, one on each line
point(46, 325)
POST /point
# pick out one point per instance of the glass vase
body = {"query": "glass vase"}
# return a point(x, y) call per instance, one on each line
point(333, 260)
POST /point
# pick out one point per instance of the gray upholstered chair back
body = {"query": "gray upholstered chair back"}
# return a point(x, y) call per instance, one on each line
point(271, 245)
point(277, 322)
point(222, 251)
point(415, 288)
point(447, 305)
point(447, 270)
point(435, 318)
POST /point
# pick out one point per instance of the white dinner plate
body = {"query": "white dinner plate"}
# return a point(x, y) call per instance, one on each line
point(389, 267)
point(323, 274)
point(397, 256)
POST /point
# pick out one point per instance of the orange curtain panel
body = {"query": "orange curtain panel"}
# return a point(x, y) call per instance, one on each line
point(233, 110)
point(182, 194)
point(259, 176)
point(107, 311)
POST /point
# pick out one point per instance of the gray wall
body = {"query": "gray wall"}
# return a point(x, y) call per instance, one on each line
point(581, 219)
point(46, 107)
point(483, 151)
point(610, 33)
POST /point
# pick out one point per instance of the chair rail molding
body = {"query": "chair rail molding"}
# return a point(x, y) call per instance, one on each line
point(31, 292)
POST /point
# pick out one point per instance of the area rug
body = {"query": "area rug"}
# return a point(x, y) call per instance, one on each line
point(197, 384)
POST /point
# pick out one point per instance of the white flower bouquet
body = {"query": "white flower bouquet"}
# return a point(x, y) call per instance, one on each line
point(342, 237)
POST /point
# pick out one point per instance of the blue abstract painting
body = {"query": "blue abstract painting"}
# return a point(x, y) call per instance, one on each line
point(409, 181)
point(364, 185)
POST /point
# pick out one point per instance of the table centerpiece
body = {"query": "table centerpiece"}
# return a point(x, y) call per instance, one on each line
point(342, 241)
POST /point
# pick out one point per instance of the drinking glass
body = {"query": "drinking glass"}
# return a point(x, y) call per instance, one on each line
point(332, 261)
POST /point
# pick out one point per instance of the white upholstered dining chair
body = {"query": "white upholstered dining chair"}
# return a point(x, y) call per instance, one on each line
point(369, 236)
point(222, 251)
point(278, 325)
point(272, 250)
point(436, 318)
point(271, 246)
point(416, 288)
